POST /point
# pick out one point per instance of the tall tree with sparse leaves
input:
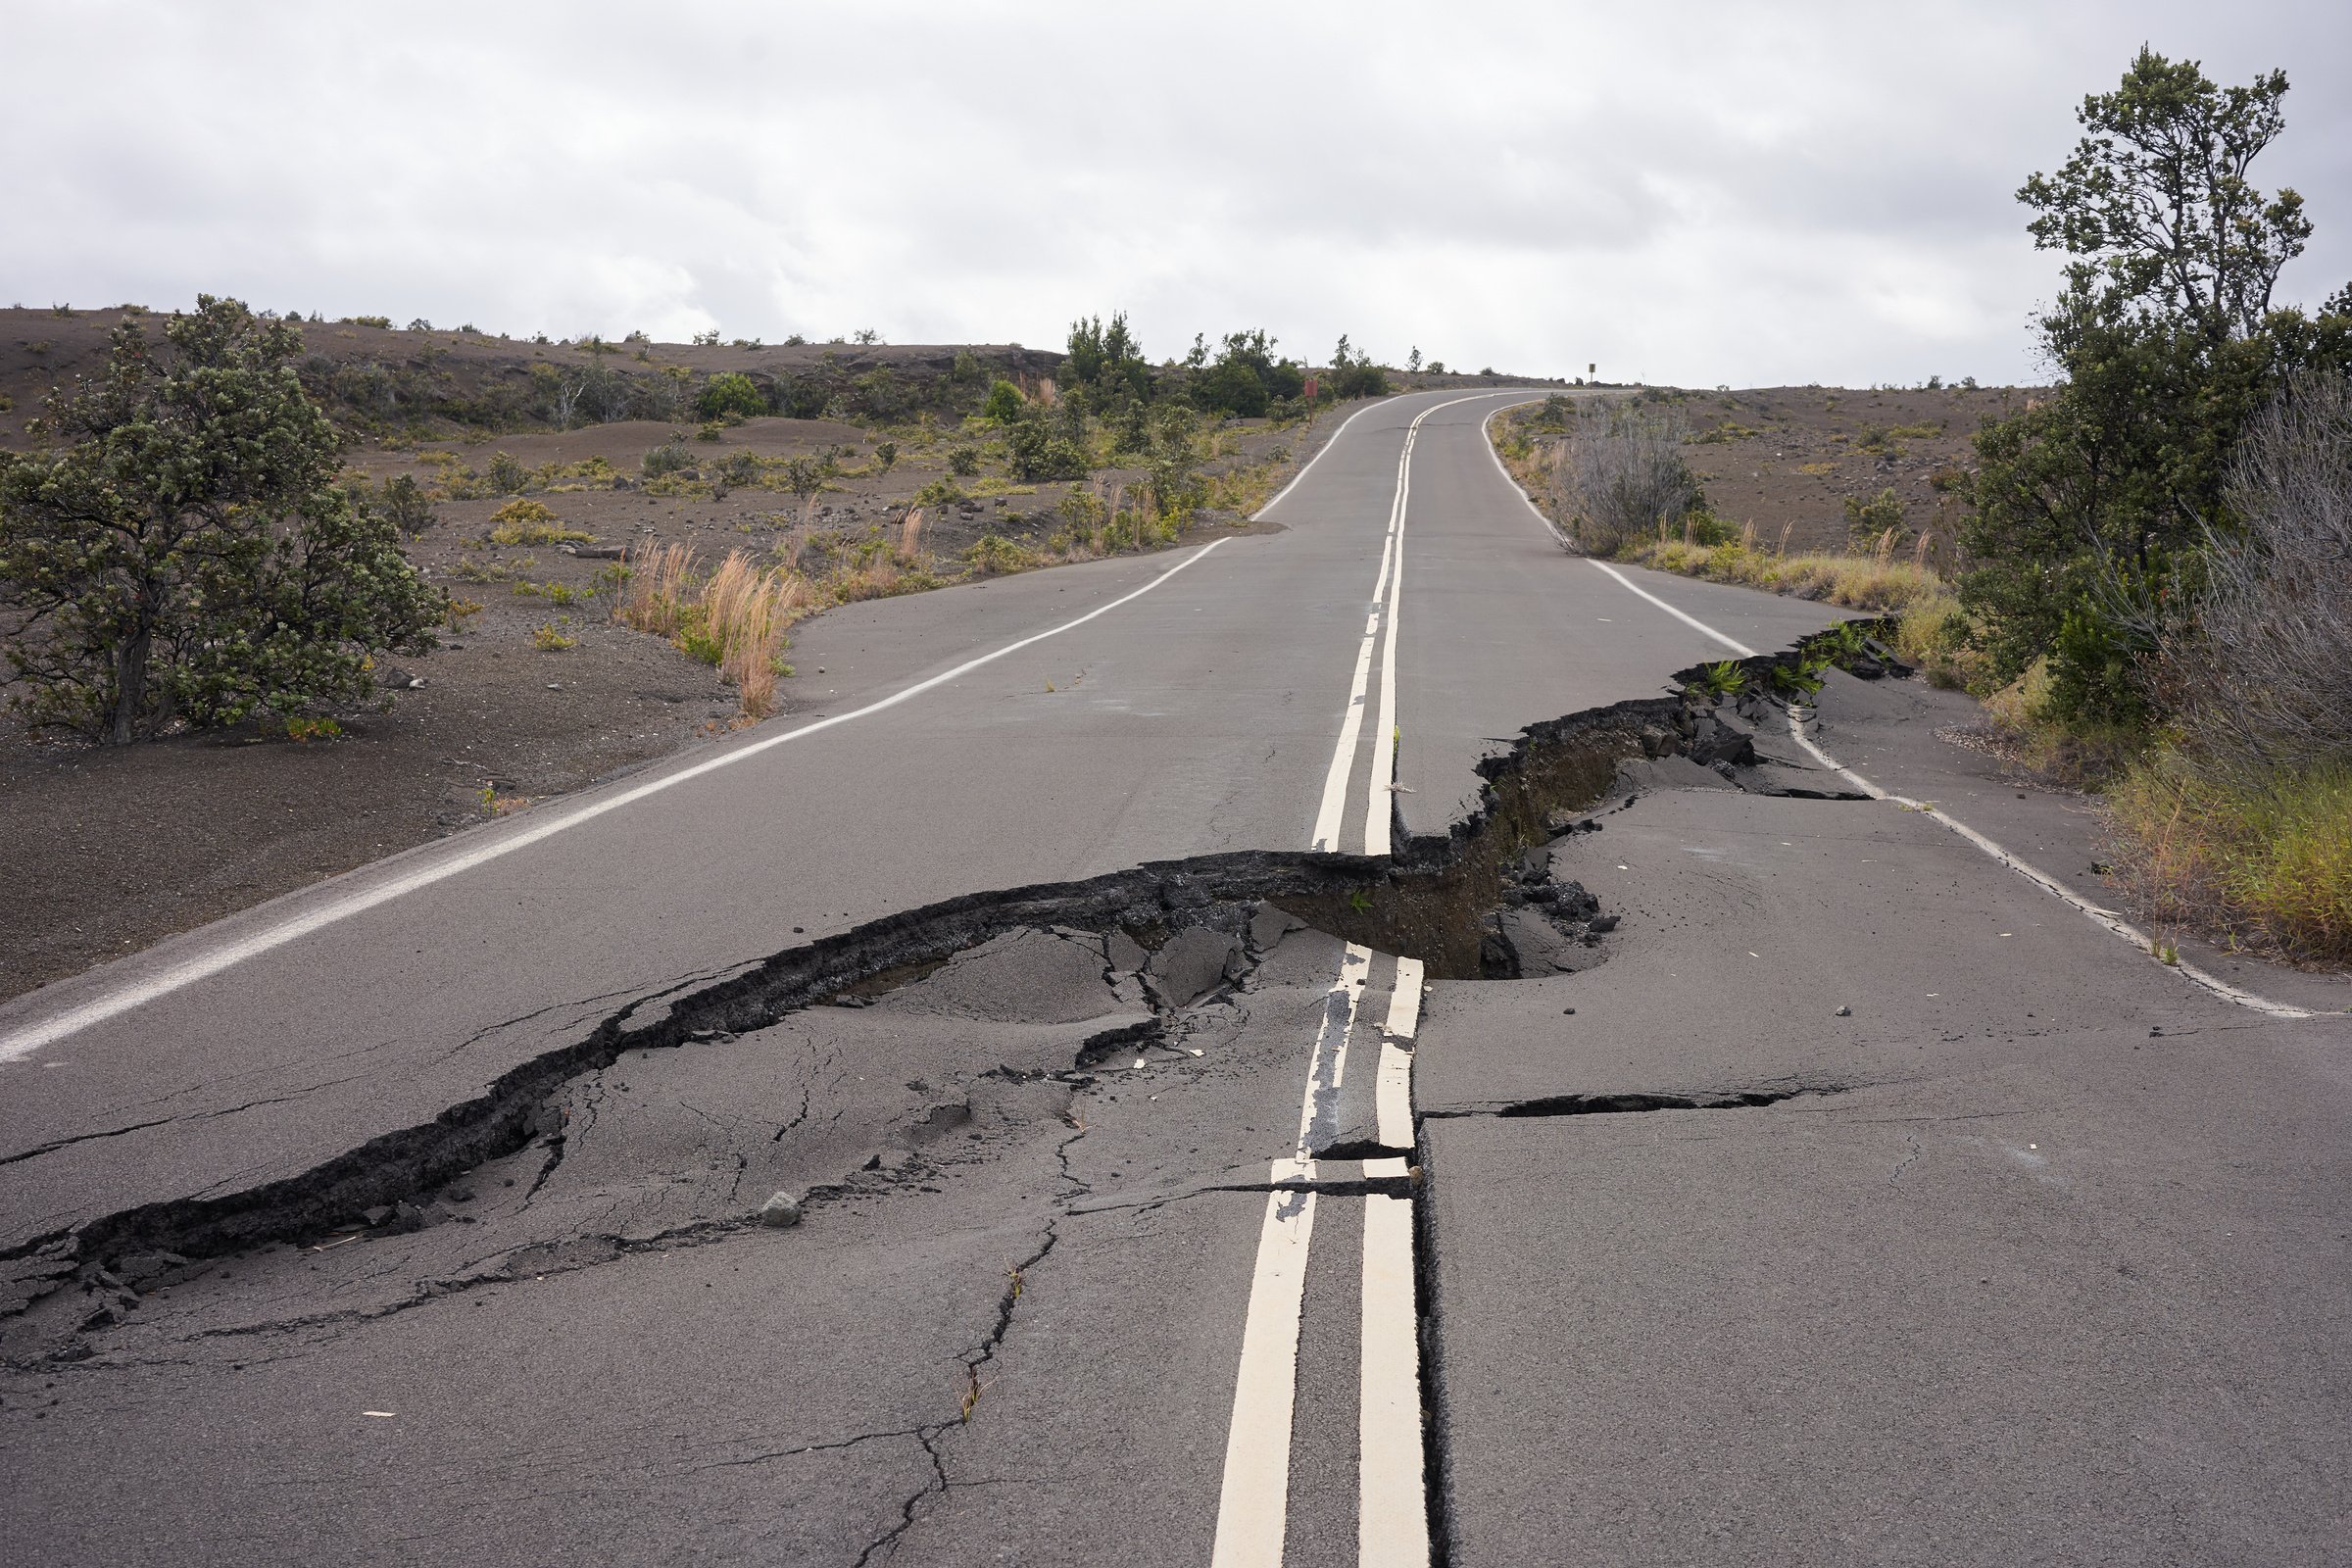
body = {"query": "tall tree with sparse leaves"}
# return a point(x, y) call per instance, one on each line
point(180, 551)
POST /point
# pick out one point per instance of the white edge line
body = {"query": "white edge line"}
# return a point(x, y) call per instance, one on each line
point(1741, 649)
point(1485, 429)
point(2041, 879)
point(23, 1042)
point(2049, 884)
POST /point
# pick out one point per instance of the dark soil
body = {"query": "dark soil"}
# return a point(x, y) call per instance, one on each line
point(1786, 458)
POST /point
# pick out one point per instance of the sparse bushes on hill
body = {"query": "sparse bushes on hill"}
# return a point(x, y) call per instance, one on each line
point(185, 554)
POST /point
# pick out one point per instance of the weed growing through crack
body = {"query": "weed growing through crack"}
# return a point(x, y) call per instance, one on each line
point(1723, 679)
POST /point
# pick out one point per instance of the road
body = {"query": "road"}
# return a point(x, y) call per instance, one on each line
point(412, 1217)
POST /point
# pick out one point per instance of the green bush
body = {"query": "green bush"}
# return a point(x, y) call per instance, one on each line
point(730, 392)
point(404, 505)
point(668, 457)
point(1867, 522)
point(189, 556)
point(507, 476)
point(964, 461)
point(993, 554)
point(1042, 448)
point(1004, 403)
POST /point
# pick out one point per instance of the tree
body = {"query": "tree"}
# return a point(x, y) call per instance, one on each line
point(1047, 444)
point(1354, 375)
point(1107, 361)
point(185, 554)
point(2092, 505)
point(2156, 207)
point(1245, 376)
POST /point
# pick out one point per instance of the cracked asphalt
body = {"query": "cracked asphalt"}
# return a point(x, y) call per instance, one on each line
point(1833, 1193)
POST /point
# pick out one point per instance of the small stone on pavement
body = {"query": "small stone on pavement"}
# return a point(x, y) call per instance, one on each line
point(780, 1211)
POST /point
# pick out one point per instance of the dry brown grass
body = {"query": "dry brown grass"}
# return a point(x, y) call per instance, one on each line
point(735, 618)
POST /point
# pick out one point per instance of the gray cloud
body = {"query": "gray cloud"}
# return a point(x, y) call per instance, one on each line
point(1699, 193)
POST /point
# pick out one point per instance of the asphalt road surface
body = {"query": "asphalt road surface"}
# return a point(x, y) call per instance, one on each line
point(1822, 1188)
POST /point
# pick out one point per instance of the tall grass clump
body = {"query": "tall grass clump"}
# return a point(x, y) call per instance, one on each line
point(735, 617)
point(2264, 856)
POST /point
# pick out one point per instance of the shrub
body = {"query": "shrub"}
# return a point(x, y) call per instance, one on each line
point(507, 476)
point(1004, 403)
point(886, 456)
point(1621, 474)
point(739, 468)
point(2263, 672)
point(525, 521)
point(1867, 523)
point(553, 637)
point(993, 554)
point(668, 457)
point(964, 461)
point(382, 322)
point(188, 556)
point(1041, 447)
point(806, 476)
point(730, 392)
point(404, 505)
point(939, 493)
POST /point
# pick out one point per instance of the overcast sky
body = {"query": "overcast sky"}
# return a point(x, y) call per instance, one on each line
point(1700, 194)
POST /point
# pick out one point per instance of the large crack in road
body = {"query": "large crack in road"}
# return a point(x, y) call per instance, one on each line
point(1015, 1021)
